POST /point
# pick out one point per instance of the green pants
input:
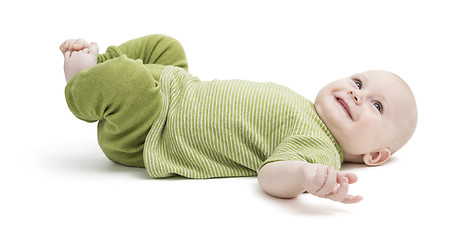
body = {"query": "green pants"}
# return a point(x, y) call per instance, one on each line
point(122, 92)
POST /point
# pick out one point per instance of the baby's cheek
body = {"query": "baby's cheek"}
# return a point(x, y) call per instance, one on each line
point(364, 136)
point(371, 131)
point(361, 141)
point(353, 141)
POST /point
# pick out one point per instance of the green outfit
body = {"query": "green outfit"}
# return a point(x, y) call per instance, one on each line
point(153, 113)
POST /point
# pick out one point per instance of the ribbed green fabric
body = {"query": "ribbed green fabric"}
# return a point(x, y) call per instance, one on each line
point(232, 128)
point(152, 112)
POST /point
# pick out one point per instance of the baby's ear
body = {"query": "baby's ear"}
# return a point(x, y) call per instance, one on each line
point(377, 158)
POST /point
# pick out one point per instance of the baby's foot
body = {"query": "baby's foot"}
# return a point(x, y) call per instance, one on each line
point(76, 61)
point(72, 45)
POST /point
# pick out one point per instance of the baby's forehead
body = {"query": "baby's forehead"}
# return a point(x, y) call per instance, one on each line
point(392, 89)
point(400, 113)
point(380, 76)
point(384, 81)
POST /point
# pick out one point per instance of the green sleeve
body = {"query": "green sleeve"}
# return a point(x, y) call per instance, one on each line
point(308, 149)
point(151, 49)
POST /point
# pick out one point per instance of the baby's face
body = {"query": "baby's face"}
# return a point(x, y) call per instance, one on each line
point(362, 111)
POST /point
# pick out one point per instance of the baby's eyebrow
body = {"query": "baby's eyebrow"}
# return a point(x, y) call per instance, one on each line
point(360, 76)
point(355, 76)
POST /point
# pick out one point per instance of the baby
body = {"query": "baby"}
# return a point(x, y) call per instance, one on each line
point(152, 113)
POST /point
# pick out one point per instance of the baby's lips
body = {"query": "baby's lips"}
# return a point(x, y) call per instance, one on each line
point(345, 105)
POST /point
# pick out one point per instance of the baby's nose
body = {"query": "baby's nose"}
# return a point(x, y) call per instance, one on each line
point(356, 98)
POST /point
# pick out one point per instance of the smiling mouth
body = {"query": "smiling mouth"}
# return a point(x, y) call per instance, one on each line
point(345, 106)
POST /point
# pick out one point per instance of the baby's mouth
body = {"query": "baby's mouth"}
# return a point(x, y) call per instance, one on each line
point(345, 106)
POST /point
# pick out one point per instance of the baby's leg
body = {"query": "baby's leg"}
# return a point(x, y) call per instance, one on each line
point(78, 60)
point(124, 97)
point(153, 49)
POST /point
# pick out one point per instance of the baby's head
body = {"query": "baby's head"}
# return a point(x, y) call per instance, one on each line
point(371, 115)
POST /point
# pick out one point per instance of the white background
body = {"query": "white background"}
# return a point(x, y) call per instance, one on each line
point(55, 183)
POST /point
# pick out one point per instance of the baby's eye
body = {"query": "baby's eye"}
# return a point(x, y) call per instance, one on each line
point(359, 84)
point(378, 106)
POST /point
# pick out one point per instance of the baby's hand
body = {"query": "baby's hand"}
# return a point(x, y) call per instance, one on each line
point(326, 182)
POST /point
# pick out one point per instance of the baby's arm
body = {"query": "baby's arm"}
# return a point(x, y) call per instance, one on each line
point(288, 179)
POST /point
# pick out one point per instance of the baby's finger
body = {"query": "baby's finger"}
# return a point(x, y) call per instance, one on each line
point(329, 184)
point(349, 199)
point(318, 180)
point(341, 192)
point(352, 178)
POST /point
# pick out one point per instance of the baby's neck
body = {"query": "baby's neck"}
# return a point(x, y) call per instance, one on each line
point(352, 158)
